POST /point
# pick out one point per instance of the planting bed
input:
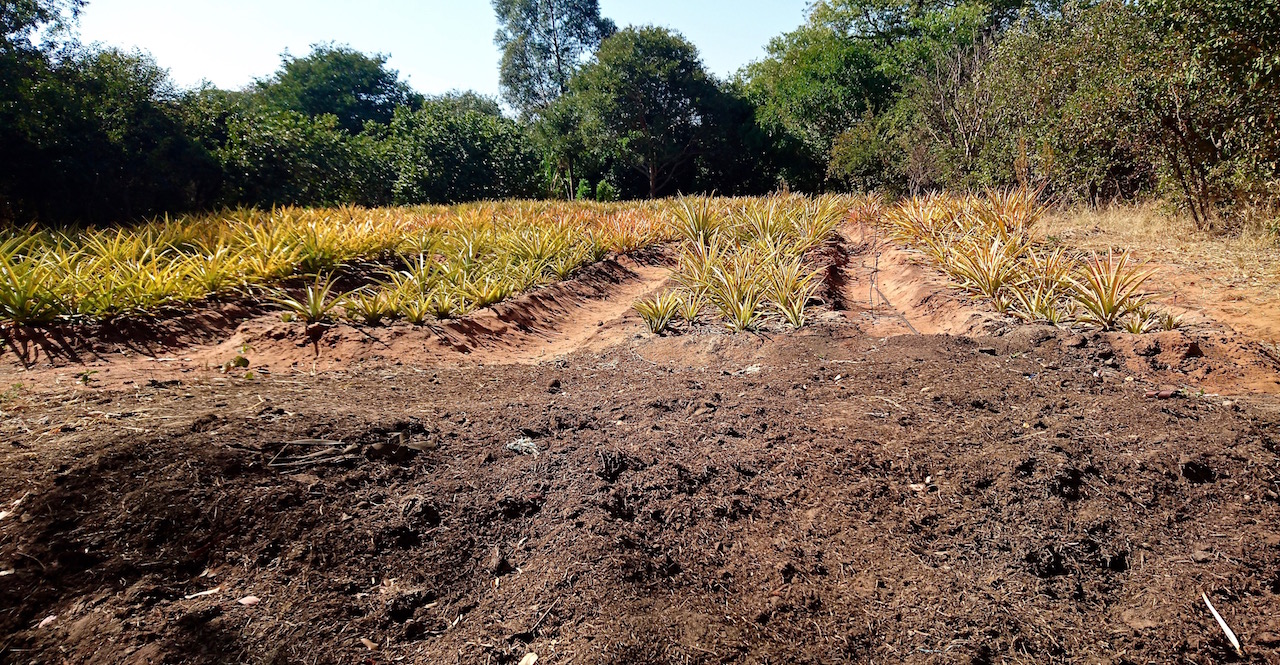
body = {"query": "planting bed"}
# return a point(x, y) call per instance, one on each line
point(847, 492)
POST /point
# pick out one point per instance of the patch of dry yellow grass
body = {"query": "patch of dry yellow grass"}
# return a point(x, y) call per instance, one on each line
point(1249, 259)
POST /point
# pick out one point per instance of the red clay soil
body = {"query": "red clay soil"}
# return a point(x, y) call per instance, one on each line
point(850, 492)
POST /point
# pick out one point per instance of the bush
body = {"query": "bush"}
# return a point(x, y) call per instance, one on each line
point(446, 153)
point(96, 136)
point(861, 158)
point(606, 192)
point(285, 158)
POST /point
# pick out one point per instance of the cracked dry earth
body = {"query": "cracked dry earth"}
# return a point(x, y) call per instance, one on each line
point(816, 497)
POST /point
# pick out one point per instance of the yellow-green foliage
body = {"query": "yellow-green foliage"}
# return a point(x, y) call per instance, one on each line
point(441, 261)
point(658, 312)
point(985, 244)
point(746, 257)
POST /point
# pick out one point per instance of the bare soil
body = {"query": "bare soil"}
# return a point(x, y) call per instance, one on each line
point(547, 478)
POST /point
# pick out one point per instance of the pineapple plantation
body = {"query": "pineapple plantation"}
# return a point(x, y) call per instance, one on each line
point(744, 263)
point(685, 430)
point(856, 332)
point(443, 261)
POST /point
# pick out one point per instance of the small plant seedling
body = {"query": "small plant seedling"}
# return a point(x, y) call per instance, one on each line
point(1109, 289)
point(369, 307)
point(690, 307)
point(1169, 321)
point(791, 286)
point(11, 393)
point(316, 304)
point(86, 378)
point(238, 362)
point(658, 311)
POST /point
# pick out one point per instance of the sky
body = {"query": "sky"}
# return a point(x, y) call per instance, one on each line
point(438, 46)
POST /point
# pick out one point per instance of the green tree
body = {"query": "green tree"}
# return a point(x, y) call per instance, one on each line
point(816, 84)
point(645, 98)
point(20, 20)
point(567, 149)
point(736, 156)
point(102, 139)
point(1212, 101)
point(444, 153)
point(276, 157)
point(1116, 99)
point(853, 60)
point(1067, 90)
point(23, 62)
point(339, 81)
point(544, 43)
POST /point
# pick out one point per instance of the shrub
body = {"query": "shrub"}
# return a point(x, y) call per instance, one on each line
point(658, 311)
point(606, 192)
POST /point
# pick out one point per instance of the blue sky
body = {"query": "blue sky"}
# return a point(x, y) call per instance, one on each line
point(438, 45)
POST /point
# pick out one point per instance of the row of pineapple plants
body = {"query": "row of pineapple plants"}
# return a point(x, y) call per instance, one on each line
point(742, 262)
point(438, 261)
point(986, 244)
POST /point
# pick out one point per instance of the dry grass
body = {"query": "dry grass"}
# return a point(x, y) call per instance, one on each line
point(1250, 259)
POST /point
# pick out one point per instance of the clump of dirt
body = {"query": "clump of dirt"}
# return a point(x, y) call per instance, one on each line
point(1210, 358)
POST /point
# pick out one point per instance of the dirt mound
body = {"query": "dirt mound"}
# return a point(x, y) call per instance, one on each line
point(1203, 358)
point(66, 345)
point(566, 316)
point(902, 294)
point(819, 497)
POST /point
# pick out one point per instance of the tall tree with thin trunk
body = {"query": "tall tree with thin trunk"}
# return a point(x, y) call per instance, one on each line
point(544, 42)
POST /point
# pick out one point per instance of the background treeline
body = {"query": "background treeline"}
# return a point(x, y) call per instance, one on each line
point(1094, 101)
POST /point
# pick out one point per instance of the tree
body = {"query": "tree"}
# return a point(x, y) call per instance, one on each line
point(22, 64)
point(1212, 100)
point(101, 139)
point(339, 81)
point(450, 152)
point(544, 43)
point(22, 19)
point(815, 85)
point(646, 96)
point(565, 146)
point(851, 62)
point(736, 156)
point(276, 157)
point(1068, 87)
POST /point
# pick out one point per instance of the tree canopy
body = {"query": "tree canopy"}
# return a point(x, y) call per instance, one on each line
point(1093, 101)
point(21, 19)
point(340, 81)
point(645, 96)
point(544, 43)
